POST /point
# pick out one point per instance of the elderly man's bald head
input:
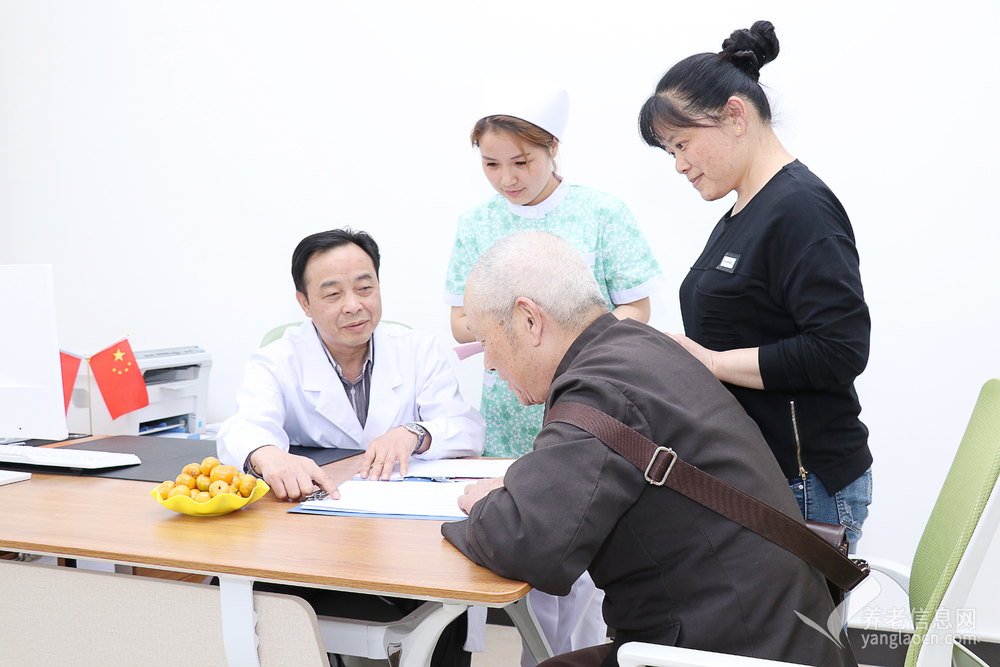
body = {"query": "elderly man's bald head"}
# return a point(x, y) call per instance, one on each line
point(539, 266)
point(528, 298)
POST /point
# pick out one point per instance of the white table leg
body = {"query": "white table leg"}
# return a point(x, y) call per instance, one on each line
point(524, 620)
point(239, 621)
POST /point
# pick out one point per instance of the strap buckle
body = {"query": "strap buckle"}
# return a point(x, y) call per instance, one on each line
point(652, 461)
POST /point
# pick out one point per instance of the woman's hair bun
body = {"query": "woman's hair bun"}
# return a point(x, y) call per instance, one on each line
point(749, 50)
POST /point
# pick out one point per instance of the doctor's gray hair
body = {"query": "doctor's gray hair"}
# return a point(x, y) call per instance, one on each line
point(542, 267)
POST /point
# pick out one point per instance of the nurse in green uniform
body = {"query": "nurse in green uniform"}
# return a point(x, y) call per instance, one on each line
point(518, 146)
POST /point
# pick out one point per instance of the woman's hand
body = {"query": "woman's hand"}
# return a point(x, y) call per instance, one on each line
point(739, 367)
point(702, 354)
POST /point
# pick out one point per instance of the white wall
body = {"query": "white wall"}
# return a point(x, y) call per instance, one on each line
point(165, 158)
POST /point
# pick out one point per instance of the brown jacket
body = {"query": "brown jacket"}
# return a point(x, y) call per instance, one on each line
point(673, 572)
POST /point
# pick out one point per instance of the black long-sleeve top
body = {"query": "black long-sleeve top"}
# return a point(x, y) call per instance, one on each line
point(783, 275)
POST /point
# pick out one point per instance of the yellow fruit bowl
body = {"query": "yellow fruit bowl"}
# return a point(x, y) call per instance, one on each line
point(224, 503)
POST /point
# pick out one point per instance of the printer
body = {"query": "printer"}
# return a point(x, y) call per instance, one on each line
point(177, 385)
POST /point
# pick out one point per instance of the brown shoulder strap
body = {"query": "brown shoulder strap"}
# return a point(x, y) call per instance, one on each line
point(663, 468)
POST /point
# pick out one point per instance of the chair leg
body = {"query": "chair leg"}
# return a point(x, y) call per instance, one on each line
point(408, 642)
point(524, 620)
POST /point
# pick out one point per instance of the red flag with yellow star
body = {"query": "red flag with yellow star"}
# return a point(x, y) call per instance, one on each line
point(70, 364)
point(119, 379)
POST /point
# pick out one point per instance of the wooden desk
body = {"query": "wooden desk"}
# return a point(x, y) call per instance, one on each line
point(116, 520)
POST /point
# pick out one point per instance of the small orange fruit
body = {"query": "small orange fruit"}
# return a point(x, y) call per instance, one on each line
point(192, 469)
point(187, 480)
point(203, 482)
point(247, 485)
point(224, 473)
point(202, 497)
point(164, 488)
point(217, 487)
point(179, 490)
point(207, 464)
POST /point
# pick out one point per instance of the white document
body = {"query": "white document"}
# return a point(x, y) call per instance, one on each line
point(8, 477)
point(454, 469)
point(403, 499)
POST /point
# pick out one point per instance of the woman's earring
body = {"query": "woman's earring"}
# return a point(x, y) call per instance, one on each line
point(739, 130)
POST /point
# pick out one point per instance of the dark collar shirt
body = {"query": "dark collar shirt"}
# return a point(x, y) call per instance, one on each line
point(359, 388)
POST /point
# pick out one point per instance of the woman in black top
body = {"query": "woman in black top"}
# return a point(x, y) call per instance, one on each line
point(774, 305)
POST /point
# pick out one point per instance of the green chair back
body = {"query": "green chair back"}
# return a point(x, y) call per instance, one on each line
point(277, 332)
point(956, 514)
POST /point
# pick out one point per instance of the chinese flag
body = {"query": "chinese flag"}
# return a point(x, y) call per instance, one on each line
point(119, 378)
point(70, 366)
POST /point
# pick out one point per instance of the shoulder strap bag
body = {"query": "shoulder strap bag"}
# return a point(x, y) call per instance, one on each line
point(821, 545)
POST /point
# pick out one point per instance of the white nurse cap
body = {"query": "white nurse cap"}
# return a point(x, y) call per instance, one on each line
point(539, 102)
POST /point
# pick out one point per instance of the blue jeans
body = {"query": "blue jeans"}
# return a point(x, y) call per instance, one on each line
point(847, 507)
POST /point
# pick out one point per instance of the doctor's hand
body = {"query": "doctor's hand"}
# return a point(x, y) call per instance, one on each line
point(289, 476)
point(380, 458)
point(475, 492)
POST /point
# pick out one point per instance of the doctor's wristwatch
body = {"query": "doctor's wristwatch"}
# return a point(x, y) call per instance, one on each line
point(417, 430)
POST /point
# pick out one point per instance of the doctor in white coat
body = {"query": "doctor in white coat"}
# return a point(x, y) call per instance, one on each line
point(341, 379)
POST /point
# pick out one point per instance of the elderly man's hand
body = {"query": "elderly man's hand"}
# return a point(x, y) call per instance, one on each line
point(289, 476)
point(474, 492)
point(383, 452)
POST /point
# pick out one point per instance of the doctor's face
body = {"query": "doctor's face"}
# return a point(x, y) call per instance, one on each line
point(342, 298)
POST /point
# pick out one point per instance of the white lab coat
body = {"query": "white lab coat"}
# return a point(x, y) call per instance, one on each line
point(291, 394)
point(569, 622)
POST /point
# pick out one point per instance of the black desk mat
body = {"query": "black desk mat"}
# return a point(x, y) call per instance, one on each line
point(162, 458)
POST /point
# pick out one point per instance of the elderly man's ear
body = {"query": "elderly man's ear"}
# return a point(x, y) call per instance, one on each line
point(530, 321)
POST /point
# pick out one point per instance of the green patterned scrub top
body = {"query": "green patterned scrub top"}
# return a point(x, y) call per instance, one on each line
point(602, 229)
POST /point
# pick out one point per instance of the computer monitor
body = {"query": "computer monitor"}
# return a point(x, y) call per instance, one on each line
point(31, 394)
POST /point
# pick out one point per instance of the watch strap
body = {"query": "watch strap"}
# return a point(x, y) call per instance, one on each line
point(417, 430)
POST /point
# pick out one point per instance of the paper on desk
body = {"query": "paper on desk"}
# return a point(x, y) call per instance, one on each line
point(454, 469)
point(416, 500)
point(8, 477)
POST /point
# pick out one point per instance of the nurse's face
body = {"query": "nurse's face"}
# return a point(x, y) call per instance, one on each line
point(524, 179)
point(342, 298)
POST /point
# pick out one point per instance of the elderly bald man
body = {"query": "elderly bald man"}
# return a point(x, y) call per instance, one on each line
point(674, 572)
